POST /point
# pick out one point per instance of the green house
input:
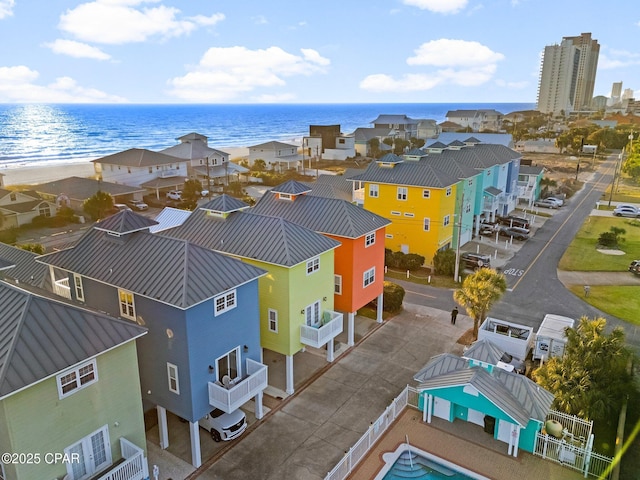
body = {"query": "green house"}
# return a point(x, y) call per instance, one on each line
point(70, 403)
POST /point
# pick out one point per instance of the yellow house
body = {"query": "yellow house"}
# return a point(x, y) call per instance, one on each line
point(417, 198)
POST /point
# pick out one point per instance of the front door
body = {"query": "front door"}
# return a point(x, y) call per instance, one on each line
point(89, 455)
point(312, 314)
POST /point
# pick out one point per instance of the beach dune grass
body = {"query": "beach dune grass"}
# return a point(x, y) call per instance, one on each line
point(581, 255)
point(622, 301)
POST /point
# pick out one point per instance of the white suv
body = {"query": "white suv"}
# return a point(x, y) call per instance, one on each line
point(174, 195)
point(224, 426)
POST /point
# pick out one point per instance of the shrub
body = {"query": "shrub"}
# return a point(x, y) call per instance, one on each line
point(9, 236)
point(392, 297)
point(33, 247)
point(444, 262)
point(408, 261)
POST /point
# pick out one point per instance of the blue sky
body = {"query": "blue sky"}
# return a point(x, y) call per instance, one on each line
point(208, 51)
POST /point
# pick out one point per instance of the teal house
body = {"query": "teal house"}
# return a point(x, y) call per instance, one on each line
point(509, 406)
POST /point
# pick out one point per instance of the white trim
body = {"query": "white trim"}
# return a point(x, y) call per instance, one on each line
point(172, 376)
point(129, 310)
point(78, 377)
point(78, 287)
point(313, 265)
point(285, 196)
point(224, 302)
point(369, 239)
point(369, 277)
point(86, 445)
point(337, 284)
point(273, 320)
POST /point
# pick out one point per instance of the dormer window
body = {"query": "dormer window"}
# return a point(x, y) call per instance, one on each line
point(285, 196)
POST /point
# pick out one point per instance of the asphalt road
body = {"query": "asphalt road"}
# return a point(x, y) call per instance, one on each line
point(534, 289)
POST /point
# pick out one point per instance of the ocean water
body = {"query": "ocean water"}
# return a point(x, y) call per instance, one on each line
point(35, 134)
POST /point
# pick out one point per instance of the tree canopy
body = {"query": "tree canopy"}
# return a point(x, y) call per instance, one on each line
point(98, 206)
point(478, 293)
point(592, 377)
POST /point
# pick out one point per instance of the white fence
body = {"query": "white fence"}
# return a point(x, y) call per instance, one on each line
point(409, 396)
point(134, 466)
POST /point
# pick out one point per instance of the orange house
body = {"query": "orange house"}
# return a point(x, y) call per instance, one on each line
point(359, 260)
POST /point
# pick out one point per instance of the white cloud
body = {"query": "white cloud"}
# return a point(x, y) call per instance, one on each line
point(6, 8)
point(438, 6)
point(260, 20)
point(627, 60)
point(457, 62)
point(17, 85)
point(76, 49)
point(117, 22)
point(224, 74)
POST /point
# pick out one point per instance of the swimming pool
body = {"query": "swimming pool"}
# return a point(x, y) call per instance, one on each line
point(408, 461)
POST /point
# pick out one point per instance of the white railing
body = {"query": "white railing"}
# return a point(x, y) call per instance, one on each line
point(358, 196)
point(409, 396)
point(330, 327)
point(169, 173)
point(134, 466)
point(575, 427)
point(232, 398)
point(61, 288)
point(489, 204)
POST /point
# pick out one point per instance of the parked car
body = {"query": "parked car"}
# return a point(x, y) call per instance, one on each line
point(119, 207)
point(557, 200)
point(174, 195)
point(204, 193)
point(487, 230)
point(138, 205)
point(224, 426)
point(474, 261)
point(626, 211)
point(545, 203)
point(513, 221)
point(515, 232)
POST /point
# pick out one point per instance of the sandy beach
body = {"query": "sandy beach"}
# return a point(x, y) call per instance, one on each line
point(34, 175)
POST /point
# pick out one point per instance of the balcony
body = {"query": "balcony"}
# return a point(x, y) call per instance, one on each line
point(61, 288)
point(330, 327)
point(133, 467)
point(169, 173)
point(490, 204)
point(232, 398)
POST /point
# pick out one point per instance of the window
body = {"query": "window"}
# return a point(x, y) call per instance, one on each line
point(224, 302)
point(44, 210)
point(426, 193)
point(337, 284)
point(370, 239)
point(150, 169)
point(285, 196)
point(273, 320)
point(446, 220)
point(127, 308)
point(172, 377)
point(341, 141)
point(410, 215)
point(228, 366)
point(373, 190)
point(89, 455)
point(77, 282)
point(402, 193)
point(393, 212)
point(73, 380)
point(426, 225)
point(12, 197)
point(470, 182)
point(312, 314)
point(467, 207)
point(448, 191)
point(369, 277)
point(388, 235)
point(313, 265)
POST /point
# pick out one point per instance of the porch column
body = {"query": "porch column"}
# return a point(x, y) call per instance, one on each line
point(289, 370)
point(429, 407)
point(194, 433)
point(330, 350)
point(259, 407)
point(516, 439)
point(163, 432)
point(351, 328)
point(380, 305)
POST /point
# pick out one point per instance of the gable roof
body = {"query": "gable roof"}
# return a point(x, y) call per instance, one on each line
point(252, 236)
point(320, 214)
point(364, 134)
point(332, 186)
point(484, 351)
point(24, 267)
point(40, 337)
point(137, 157)
point(193, 148)
point(416, 173)
point(393, 119)
point(78, 188)
point(165, 269)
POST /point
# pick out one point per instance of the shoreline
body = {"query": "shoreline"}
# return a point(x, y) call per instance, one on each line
point(49, 172)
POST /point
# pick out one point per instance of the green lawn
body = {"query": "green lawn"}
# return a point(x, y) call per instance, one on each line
point(581, 255)
point(622, 301)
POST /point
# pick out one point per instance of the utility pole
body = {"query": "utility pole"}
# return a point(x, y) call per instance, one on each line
point(459, 225)
point(208, 180)
point(317, 159)
point(615, 172)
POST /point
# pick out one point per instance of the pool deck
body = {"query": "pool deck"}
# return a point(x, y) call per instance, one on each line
point(464, 444)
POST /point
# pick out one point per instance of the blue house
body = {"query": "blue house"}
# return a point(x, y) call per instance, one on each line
point(202, 349)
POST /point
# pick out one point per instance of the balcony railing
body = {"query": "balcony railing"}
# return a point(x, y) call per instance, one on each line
point(358, 196)
point(169, 173)
point(61, 288)
point(232, 398)
point(134, 466)
point(330, 327)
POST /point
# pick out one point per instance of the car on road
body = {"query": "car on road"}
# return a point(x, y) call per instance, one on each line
point(634, 267)
point(545, 203)
point(513, 221)
point(626, 211)
point(515, 232)
point(174, 195)
point(474, 261)
point(137, 205)
point(224, 426)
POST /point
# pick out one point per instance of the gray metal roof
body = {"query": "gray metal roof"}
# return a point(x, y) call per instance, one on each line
point(484, 351)
point(165, 269)
point(471, 140)
point(137, 157)
point(324, 215)
point(416, 152)
point(259, 237)
point(332, 186)
point(40, 337)
point(364, 134)
point(390, 158)
point(530, 170)
point(456, 143)
point(169, 217)
point(493, 191)
point(124, 222)
point(25, 268)
point(291, 187)
point(225, 204)
point(393, 119)
point(219, 171)
point(505, 139)
point(437, 145)
point(78, 188)
point(192, 149)
point(273, 145)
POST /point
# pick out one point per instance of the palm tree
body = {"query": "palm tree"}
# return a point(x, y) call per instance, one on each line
point(478, 293)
